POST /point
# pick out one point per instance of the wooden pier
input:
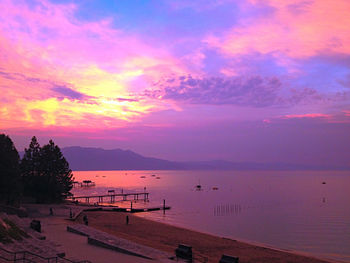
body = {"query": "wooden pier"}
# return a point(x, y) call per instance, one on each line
point(112, 197)
point(128, 210)
point(85, 183)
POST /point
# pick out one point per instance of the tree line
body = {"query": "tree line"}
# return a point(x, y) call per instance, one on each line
point(42, 175)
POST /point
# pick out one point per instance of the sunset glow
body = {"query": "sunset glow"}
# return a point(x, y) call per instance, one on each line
point(171, 79)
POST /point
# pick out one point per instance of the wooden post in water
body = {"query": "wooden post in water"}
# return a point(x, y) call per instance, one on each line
point(163, 206)
point(131, 206)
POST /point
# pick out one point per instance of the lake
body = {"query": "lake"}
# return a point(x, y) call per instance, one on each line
point(304, 211)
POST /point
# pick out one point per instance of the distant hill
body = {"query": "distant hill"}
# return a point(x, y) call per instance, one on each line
point(82, 159)
point(85, 159)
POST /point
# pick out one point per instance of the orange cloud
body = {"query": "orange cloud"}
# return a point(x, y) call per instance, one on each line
point(309, 115)
point(43, 47)
point(296, 29)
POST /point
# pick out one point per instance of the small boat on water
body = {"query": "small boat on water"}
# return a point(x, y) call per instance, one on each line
point(215, 188)
point(157, 177)
point(142, 176)
point(153, 175)
point(323, 182)
point(198, 186)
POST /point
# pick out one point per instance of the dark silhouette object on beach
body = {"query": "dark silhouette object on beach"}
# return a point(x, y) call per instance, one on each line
point(85, 219)
point(127, 220)
point(51, 211)
point(184, 251)
point(10, 187)
point(45, 173)
point(70, 213)
point(228, 259)
point(36, 225)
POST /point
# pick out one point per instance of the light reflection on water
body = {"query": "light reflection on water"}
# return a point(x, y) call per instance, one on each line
point(288, 210)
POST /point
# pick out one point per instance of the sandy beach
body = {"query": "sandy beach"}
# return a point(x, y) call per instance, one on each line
point(166, 238)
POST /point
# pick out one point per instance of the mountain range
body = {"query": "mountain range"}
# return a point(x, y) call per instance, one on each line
point(95, 159)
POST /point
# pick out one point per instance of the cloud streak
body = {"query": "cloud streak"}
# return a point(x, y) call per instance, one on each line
point(252, 91)
point(68, 92)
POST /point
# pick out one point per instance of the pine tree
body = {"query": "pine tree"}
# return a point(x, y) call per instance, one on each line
point(46, 173)
point(56, 174)
point(9, 171)
point(30, 168)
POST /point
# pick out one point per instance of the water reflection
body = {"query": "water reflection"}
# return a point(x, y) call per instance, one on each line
point(288, 210)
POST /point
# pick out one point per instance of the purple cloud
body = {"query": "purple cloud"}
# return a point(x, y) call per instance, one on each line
point(68, 92)
point(126, 99)
point(298, 8)
point(253, 91)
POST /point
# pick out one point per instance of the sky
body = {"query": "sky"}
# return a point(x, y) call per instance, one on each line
point(237, 80)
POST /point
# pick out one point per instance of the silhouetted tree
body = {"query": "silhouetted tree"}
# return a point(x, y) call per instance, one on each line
point(30, 168)
point(45, 172)
point(9, 171)
point(55, 168)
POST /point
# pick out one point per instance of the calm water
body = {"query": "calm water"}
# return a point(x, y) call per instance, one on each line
point(287, 210)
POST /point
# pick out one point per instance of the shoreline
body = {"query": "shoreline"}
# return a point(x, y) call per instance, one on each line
point(166, 237)
point(250, 242)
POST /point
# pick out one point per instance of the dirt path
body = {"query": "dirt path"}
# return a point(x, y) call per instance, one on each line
point(76, 246)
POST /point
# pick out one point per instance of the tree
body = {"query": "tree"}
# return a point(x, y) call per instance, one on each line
point(9, 171)
point(55, 169)
point(45, 172)
point(30, 167)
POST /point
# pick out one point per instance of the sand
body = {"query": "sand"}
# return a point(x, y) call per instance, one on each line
point(76, 246)
point(166, 237)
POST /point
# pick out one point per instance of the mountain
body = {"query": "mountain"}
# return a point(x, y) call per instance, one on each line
point(90, 159)
point(84, 159)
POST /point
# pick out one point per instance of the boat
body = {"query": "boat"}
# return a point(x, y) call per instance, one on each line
point(215, 188)
point(198, 186)
point(142, 176)
point(157, 177)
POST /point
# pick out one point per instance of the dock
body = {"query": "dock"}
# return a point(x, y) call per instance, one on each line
point(85, 183)
point(112, 197)
point(127, 210)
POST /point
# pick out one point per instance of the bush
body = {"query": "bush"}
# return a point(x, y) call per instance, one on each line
point(10, 231)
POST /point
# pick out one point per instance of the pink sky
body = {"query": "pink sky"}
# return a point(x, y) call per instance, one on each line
point(249, 80)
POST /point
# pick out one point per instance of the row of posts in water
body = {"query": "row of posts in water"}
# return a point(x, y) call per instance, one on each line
point(227, 209)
